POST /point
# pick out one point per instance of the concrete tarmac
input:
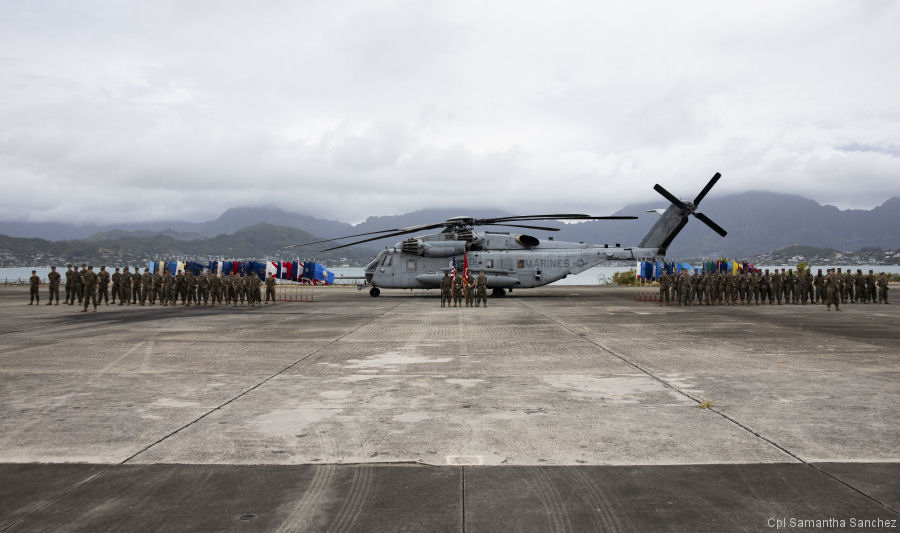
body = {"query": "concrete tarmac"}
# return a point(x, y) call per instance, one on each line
point(554, 409)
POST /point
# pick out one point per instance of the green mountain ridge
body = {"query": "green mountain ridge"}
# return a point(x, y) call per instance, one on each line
point(260, 241)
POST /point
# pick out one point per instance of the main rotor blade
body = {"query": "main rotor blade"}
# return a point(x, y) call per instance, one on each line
point(537, 217)
point(395, 234)
point(409, 229)
point(715, 227)
point(556, 217)
point(707, 188)
point(521, 226)
point(669, 196)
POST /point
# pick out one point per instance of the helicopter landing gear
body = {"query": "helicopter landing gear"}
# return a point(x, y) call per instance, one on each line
point(497, 292)
point(374, 292)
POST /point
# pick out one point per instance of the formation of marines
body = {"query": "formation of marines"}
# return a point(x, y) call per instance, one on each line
point(835, 287)
point(463, 290)
point(132, 288)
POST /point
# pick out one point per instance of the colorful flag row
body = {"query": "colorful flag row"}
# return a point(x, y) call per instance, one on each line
point(301, 271)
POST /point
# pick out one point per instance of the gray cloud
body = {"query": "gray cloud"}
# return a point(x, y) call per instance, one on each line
point(179, 110)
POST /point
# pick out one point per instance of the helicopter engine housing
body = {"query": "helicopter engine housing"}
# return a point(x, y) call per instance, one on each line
point(432, 249)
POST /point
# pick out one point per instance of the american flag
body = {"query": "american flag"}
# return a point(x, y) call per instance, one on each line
point(453, 266)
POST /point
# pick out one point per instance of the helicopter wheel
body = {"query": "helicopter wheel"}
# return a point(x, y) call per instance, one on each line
point(374, 292)
point(498, 292)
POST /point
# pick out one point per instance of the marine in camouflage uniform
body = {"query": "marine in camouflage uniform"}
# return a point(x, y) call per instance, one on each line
point(848, 287)
point(843, 292)
point(116, 285)
point(481, 289)
point(190, 288)
point(158, 288)
point(90, 288)
point(255, 285)
point(457, 291)
point(34, 287)
point(70, 295)
point(146, 286)
point(832, 290)
point(730, 288)
point(53, 278)
point(180, 288)
point(702, 289)
point(103, 286)
point(775, 287)
point(203, 289)
point(168, 288)
point(136, 281)
point(684, 286)
point(125, 287)
point(870, 287)
point(664, 281)
point(469, 288)
point(755, 285)
point(270, 288)
point(79, 282)
point(882, 284)
point(819, 284)
point(860, 286)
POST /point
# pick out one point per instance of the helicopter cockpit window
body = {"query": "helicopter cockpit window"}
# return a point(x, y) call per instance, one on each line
point(387, 260)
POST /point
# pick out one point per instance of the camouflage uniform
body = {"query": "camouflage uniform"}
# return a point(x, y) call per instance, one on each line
point(203, 289)
point(90, 289)
point(870, 287)
point(469, 288)
point(116, 285)
point(79, 282)
point(684, 287)
point(103, 286)
point(53, 278)
point(190, 288)
point(270, 288)
point(446, 289)
point(180, 287)
point(819, 284)
point(664, 281)
point(70, 284)
point(832, 291)
point(125, 288)
point(457, 291)
point(146, 285)
point(882, 288)
point(34, 286)
point(481, 289)
point(136, 281)
point(755, 285)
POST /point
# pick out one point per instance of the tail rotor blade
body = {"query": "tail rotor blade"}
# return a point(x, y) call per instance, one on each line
point(669, 196)
point(707, 188)
point(715, 227)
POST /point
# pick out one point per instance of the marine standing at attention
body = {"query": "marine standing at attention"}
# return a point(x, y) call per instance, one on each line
point(103, 286)
point(832, 290)
point(481, 289)
point(136, 285)
point(469, 287)
point(664, 281)
point(125, 288)
point(116, 285)
point(446, 289)
point(882, 289)
point(270, 288)
point(69, 284)
point(146, 285)
point(90, 288)
point(53, 277)
point(34, 286)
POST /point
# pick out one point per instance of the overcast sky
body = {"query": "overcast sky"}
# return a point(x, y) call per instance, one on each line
point(150, 110)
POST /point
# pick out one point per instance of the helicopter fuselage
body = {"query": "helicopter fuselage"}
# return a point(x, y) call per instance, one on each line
point(509, 260)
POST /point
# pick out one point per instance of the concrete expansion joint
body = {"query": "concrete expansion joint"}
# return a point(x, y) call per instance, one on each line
point(261, 383)
point(716, 411)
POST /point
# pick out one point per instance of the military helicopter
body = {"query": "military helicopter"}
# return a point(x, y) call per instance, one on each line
point(512, 260)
